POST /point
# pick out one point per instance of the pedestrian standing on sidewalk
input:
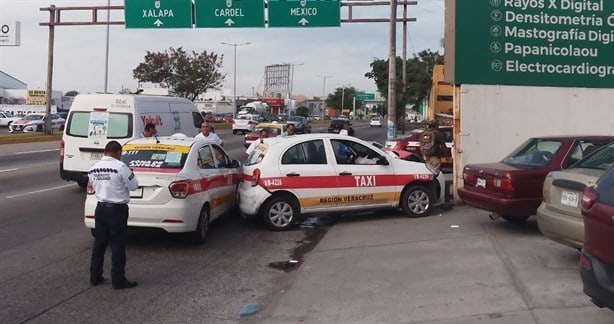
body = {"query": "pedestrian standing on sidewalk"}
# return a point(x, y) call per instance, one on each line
point(112, 181)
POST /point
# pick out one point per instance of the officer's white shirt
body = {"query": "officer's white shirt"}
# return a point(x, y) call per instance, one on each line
point(112, 180)
point(212, 137)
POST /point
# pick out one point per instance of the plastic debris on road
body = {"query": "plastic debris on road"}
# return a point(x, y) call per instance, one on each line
point(317, 221)
point(249, 309)
point(454, 226)
point(285, 265)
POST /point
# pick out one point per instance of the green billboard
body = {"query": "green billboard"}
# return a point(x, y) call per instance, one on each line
point(566, 43)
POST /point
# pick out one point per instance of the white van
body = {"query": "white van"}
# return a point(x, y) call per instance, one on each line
point(96, 119)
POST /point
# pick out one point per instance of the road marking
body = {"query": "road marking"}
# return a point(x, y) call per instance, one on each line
point(38, 191)
point(38, 151)
point(7, 170)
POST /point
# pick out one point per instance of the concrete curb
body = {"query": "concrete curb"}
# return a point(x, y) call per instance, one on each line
point(28, 138)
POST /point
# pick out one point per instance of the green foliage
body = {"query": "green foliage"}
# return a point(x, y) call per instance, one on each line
point(419, 76)
point(71, 93)
point(334, 100)
point(302, 111)
point(188, 75)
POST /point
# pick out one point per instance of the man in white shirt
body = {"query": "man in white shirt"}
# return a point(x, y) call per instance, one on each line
point(205, 132)
point(264, 133)
point(289, 131)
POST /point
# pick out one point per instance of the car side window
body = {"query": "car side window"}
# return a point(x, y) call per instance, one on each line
point(222, 160)
point(294, 155)
point(205, 158)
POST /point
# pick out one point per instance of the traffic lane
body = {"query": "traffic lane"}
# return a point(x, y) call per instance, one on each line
point(178, 281)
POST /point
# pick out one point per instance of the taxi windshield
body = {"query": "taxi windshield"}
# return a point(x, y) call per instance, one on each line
point(155, 156)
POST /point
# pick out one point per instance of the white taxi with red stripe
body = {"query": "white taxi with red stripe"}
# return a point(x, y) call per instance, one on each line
point(184, 184)
point(284, 178)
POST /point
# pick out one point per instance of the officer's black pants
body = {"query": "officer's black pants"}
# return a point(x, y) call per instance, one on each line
point(111, 226)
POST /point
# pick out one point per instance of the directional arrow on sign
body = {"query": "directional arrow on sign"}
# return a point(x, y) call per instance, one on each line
point(229, 22)
point(158, 23)
point(303, 21)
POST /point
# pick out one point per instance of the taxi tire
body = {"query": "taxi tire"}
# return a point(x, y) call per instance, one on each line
point(417, 201)
point(202, 228)
point(280, 204)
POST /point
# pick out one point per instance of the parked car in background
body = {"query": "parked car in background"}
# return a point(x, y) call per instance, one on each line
point(285, 178)
point(301, 124)
point(597, 256)
point(336, 125)
point(274, 128)
point(184, 184)
point(375, 122)
point(282, 117)
point(36, 123)
point(559, 216)
point(6, 120)
point(227, 118)
point(411, 143)
point(245, 123)
point(512, 188)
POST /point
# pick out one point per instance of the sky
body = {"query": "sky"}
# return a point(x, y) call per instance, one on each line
point(342, 54)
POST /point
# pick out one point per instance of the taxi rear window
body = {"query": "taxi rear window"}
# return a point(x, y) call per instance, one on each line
point(155, 156)
point(257, 154)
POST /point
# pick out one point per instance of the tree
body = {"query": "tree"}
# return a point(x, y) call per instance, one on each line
point(334, 100)
point(419, 76)
point(302, 111)
point(71, 93)
point(188, 75)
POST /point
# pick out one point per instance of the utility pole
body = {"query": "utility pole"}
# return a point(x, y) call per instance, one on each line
point(392, 73)
point(234, 87)
point(324, 77)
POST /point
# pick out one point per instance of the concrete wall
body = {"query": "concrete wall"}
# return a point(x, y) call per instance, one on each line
point(496, 119)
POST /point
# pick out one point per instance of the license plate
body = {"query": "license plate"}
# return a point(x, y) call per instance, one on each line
point(95, 156)
point(569, 198)
point(481, 183)
point(138, 193)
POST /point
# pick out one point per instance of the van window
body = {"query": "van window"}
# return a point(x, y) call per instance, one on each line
point(120, 125)
point(198, 119)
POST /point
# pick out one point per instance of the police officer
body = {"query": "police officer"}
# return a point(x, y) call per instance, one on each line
point(112, 180)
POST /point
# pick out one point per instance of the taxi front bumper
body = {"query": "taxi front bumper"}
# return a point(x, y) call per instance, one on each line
point(251, 198)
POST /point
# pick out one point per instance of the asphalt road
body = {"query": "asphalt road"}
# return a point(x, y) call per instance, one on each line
point(45, 251)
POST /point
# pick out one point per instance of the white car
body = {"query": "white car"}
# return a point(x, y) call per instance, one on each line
point(184, 184)
point(284, 178)
point(245, 123)
point(36, 123)
point(375, 122)
point(6, 120)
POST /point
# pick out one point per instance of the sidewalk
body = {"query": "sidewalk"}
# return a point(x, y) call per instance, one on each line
point(454, 267)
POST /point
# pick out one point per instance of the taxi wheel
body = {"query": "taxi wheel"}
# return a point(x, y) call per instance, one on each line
point(200, 235)
point(417, 201)
point(280, 213)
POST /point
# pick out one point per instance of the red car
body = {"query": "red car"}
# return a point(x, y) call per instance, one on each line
point(411, 144)
point(512, 188)
point(597, 257)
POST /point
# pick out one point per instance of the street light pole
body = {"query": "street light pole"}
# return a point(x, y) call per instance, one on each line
point(324, 77)
point(234, 87)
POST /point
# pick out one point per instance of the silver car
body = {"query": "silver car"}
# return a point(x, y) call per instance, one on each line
point(559, 216)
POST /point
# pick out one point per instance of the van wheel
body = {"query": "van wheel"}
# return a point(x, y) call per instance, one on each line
point(202, 228)
point(61, 128)
point(93, 231)
point(82, 184)
point(234, 132)
point(280, 213)
point(417, 201)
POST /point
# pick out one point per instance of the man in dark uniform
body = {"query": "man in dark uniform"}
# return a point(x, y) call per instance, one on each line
point(112, 181)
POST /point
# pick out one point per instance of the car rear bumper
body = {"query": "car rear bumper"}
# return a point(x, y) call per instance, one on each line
point(177, 216)
point(251, 198)
point(596, 282)
point(511, 207)
point(564, 229)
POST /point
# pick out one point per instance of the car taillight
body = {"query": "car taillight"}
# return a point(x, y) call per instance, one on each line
point(255, 177)
point(503, 184)
point(585, 262)
point(179, 189)
point(468, 178)
point(90, 188)
point(588, 198)
point(62, 150)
